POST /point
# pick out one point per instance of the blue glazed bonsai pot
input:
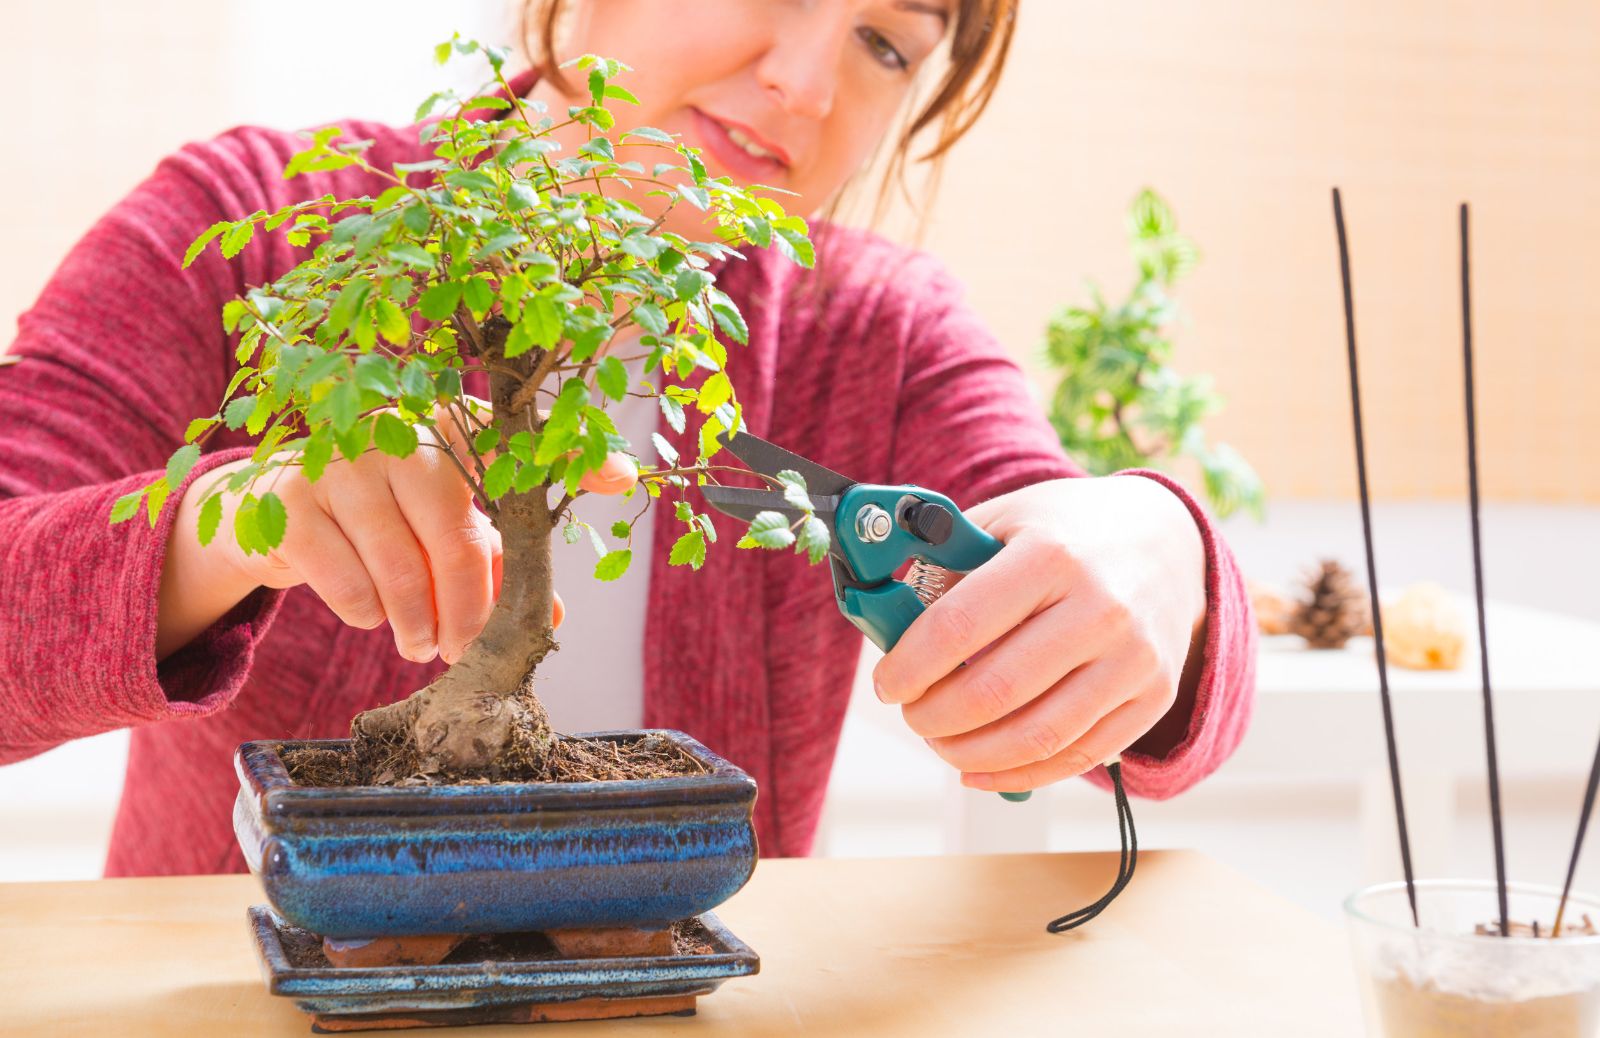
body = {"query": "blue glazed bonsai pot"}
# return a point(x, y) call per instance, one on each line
point(375, 861)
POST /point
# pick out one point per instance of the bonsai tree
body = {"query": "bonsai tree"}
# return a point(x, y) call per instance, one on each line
point(502, 255)
point(1118, 405)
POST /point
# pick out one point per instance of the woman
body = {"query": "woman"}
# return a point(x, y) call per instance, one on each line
point(1113, 621)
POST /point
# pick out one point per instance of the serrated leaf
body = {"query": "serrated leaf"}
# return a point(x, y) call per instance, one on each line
point(316, 454)
point(127, 506)
point(439, 301)
point(272, 519)
point(197, 427)
point(731, 322)
point(180, 463)
point(239, 410)
point(649, 317)
point(237, 237)
point(392, 322)
point(690, 283)
point(393, 436)
point(690, 550)
point(199, 244)
point(794, 489)
point(613, 565)
point(612, 378)
point(770, 530)
point(649, 133)
point(621, 530)
point(411, 254)
point(154, 498)
point(813, 539)
point(716, 391)
point(673, 411)
point(478, 296)
point(487, 440)
point(498, 476)
point(664, 450)
point(210, 518)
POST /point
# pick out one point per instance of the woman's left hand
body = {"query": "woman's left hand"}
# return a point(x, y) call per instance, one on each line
point(1075, 635)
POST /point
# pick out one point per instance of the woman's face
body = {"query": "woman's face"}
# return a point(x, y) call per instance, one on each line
point(794, 94)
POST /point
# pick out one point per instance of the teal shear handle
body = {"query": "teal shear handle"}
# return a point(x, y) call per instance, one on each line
point(879, 529)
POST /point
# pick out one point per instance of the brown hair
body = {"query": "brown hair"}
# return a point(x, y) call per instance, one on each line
point(979, 42)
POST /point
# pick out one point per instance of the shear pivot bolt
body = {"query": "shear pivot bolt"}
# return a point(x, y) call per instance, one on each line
point(873, 524)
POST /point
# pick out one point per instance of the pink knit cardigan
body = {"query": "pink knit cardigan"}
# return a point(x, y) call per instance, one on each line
point(886, 375)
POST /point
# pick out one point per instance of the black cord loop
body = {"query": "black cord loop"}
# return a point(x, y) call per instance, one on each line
point(1130, 858)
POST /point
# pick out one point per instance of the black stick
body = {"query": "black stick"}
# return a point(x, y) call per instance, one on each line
point(1577, 843)
point(1372, 565)
point(1477, 575)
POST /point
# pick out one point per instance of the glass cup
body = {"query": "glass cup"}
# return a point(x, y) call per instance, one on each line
point(1442, 980)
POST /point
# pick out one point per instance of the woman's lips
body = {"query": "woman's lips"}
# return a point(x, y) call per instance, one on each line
point(714, 138)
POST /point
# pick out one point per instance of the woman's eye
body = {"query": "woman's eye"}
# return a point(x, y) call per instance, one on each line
point(883, 50)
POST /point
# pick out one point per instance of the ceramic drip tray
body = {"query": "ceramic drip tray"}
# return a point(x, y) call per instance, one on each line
point(497, 978)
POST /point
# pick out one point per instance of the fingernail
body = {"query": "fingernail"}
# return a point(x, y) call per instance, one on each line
point(878, 691)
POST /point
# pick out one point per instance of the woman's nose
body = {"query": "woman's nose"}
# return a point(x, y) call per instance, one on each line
point(801, 67)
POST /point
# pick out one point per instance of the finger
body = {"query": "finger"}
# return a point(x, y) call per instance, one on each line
point(1011, 672)
point(560, 610)
point(616, 476)
point(988, 602)
point(458, 542)
point(1045, 727)
point(364, 507)
point(1110, 737)
point(317, 551)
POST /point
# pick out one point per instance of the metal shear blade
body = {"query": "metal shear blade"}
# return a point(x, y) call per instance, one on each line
point(823, 485)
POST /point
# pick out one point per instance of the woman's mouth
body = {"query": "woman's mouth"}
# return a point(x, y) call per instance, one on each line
point(740, 149)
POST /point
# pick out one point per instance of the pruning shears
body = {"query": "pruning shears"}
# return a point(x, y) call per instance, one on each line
point(873, 529)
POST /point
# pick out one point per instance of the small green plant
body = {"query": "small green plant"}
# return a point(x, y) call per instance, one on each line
point(499, 255)
point(1118, 405)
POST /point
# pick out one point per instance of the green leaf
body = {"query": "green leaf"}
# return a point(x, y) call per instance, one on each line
point(612, 378)
point(392, 323)
point(486, 440)
point(649, 317)
point(239, 410)
point(272, 519)
point(394, 436)
point(353, 441)
point(731, 321)
point(771, 530)
point(540, 326)
point(210, 518)
point(237, 238)
point(649, 133)
point(571, 533)
point(154, 499)
point(439, 301)
point(613, 565)
point(127, 506)
point(691, 282)
point(690, 549)
point(200, 243)
point(716, 391)
point(669, 456)
point(478, 295)
point(317, 453)
point(794, 489)
point(180, 463)
point(794, 245)
point(673, 412)
point(498, 476)
point(412, 255)
point(621, 530)
point(620, 94)
point(197, 427)
point(814, 539)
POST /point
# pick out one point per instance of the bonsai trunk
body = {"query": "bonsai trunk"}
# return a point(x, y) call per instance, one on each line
point(481, 716)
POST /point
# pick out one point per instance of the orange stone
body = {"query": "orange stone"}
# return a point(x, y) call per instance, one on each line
point(610, 942)
point(421, 950)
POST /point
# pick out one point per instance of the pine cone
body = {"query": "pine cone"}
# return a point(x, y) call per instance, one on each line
point(1333, 609)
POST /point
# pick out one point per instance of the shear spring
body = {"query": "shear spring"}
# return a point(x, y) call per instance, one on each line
point(926, 580)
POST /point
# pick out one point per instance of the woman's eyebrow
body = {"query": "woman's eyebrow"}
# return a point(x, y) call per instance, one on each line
point(938, 11)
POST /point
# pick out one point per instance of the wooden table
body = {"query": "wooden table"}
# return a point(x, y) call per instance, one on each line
point(914, 946)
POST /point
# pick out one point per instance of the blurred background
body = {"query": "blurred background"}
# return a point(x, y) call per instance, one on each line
point(1241, 114)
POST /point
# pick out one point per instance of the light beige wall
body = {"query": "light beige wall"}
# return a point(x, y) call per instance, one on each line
point(1243, 112)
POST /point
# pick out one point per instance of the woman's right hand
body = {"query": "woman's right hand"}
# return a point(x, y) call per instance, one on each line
point(380, 538)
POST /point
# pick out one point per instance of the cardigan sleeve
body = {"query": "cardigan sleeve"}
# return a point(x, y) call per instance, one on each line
point(119, 352)
point(968, 425)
